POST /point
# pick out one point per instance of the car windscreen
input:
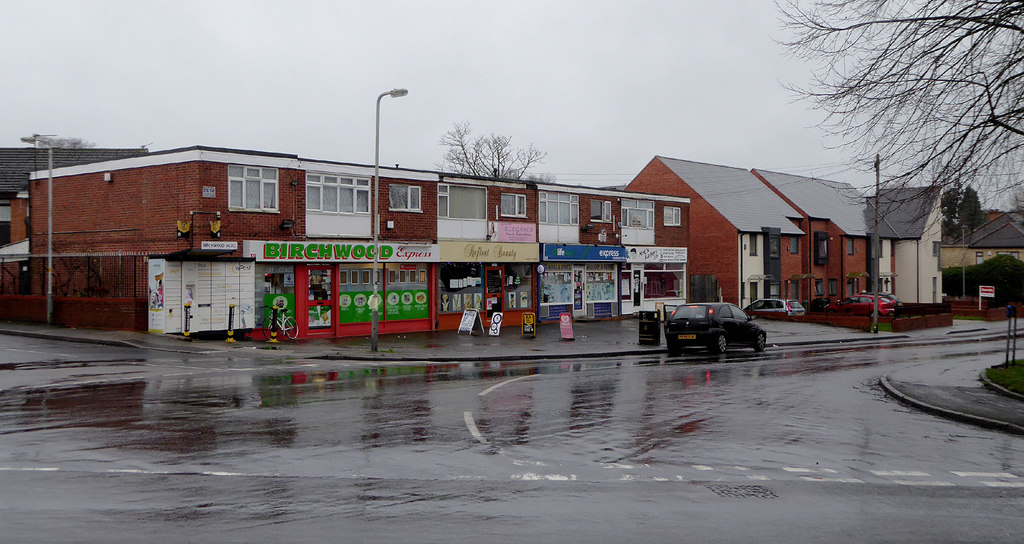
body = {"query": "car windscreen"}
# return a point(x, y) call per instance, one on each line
point(690, 312)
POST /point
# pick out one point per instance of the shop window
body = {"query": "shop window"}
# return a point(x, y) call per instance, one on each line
point(334, 194)
point(518, 286)
point(458, 202)
point(662, 281)
point(600, 283)
point(278, 289)
point(556, 286)
point(513, 205)
point(673, 216)
point(404, 198)
point(559, 208)
point(252, 188)
point(460, 287)
point(407, 293)
point(601, 210)
point(638, 213)
point(355, 285)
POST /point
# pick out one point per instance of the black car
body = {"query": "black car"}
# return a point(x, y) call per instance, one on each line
point(715, 325)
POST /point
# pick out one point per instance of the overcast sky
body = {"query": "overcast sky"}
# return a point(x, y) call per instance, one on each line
point(601, 86)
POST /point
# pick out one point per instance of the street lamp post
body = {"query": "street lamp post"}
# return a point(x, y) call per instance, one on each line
point(37, 139)
point(375, 298)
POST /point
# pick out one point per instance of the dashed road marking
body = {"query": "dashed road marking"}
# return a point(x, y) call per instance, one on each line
point(924, 482)
point(902, 473)
point(985, 474)
point(1003, 484)
point(810, 470)
point(827, 479)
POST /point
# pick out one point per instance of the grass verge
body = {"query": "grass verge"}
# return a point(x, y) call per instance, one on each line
point(1011, 377)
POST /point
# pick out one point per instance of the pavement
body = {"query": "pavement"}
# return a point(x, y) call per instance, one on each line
point(956, 390)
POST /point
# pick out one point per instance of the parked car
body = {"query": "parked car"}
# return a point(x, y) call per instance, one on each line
point(715, 325)
point(897, 303)
point(790, 307)
point(819, 304)
point(861, 305)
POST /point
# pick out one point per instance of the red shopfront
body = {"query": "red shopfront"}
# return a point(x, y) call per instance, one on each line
point(326, 285)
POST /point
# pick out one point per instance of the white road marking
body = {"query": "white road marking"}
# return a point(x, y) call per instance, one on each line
point(506, 382)
point(529, 476)
point(825, 479)
point(702, 467)
point(50, 353)
point(985, 474)
point(903, 473)
point(760, 477)
point(924, 482)
point(811, 470)
point(468, 416)
point(1004, 484)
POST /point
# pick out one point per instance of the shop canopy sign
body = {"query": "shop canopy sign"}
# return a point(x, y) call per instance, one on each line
point(338, 252)
point(577, 252)
point(654, 254)
point(488, 252)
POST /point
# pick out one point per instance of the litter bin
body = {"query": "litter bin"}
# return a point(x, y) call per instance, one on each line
point(650, 328)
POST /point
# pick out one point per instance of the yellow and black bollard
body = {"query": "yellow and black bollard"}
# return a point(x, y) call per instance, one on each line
point(231, 324)
point(273, 325)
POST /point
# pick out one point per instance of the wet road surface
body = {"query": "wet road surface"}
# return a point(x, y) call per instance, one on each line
point(797, 445)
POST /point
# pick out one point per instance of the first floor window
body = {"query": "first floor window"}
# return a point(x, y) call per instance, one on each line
point(336, 194)
point(252, 188)
point(601, 210)
point(458, 202)
point(638, 213)
point(513, 205)
point(673, 216)
point(559, 208)
point(404, 198)
point(794, 245)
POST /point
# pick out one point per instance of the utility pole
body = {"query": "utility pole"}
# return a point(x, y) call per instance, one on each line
point(875, 250)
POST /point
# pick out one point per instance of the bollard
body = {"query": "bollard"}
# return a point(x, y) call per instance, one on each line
point(231, 324)
point(188, 317)
point(273, 325)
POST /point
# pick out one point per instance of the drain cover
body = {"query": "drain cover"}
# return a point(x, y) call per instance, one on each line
point(742, 491)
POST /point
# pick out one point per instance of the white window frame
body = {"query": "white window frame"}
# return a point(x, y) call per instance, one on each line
point(604, 215)
point(642, 208)
point(564, 207)
point(321, 183)
point(515, 201)
point(673, 216)
point(413, 195)
point(444, 200)
point(242, 178)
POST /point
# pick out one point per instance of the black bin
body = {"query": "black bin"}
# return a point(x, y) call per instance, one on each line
point(650, 328)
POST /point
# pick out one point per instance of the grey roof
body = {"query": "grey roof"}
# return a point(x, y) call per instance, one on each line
point(903, 212)
point(1007, 230)
point(739, 196)
point(17, 162)
point(838, 202)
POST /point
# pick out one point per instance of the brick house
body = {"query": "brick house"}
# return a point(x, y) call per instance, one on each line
point(742, 232)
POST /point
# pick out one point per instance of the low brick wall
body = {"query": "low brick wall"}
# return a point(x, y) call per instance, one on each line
point(128, 314)
point(899, 324)
point(970, 309)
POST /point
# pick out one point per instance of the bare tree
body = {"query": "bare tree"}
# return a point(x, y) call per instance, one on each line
point(71, 143)
point(486, 155)
point(935, 86)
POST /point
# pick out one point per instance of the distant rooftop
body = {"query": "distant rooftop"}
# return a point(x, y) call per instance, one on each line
point(17, 162)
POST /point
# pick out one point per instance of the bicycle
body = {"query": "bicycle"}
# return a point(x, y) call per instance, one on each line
point(286, 327)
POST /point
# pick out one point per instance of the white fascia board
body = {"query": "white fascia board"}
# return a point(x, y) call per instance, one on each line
point(364, 171)
point(160, 159)
point(613, 193)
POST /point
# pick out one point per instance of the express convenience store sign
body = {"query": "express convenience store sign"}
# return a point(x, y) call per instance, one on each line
point(338, 252)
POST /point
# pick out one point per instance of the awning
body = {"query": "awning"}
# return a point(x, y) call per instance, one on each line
point(858, 275)
point(801, 277)
point(760, 277)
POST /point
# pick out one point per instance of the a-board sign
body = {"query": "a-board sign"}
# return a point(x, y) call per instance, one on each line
point(565, 324)
point(529, 325)
point(470, 321)
point(495, 328)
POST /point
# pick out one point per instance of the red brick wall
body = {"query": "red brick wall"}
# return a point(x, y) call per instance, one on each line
point(610, 228)
point(19, 211)
point(712, 240)
point(409, 226)
point(96, 313)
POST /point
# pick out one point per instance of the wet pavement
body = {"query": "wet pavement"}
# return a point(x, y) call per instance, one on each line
point(957, 390)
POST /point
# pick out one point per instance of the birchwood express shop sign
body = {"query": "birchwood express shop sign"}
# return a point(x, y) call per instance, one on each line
point(337, 252)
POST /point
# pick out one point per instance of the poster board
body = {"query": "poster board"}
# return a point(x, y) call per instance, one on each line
point(495, 328)
point(470, 322)
point(529, 325)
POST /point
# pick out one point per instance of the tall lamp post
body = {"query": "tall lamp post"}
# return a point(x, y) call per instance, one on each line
point(34, 140)
point(375, 298)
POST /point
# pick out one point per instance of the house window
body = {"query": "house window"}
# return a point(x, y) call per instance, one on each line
point(404, 198)
point(638, 213)
point(252, 188)
point(979, 257)
point(673, 216)
point(794, 245)
point(819, 288)
point(753, 290)
point(513, 205)
point(1014, 254)
point(753, 245)
point(820, 247)
point(833, 287)
point(601, 210)
point(458, 202)
point(850, 248)
point(335, 194)
point(773, 246)
point(936, 248)
point(559, 209)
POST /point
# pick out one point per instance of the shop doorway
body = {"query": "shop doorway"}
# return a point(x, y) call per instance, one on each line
point(320, 309)
point(494, 280)
point(579, 303)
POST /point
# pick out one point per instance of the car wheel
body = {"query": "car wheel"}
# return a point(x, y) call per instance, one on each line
point(673, 348)
point(759, 342)
point(720, 344)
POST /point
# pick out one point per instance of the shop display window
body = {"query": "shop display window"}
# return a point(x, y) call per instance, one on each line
point(518, 286)
point(354, 290)
point(556, 284)
point(406, 293)
point(600, 284)
point(278, 287)
point(460, 287)
point(663, 281)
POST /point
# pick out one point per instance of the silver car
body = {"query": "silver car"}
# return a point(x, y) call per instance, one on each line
point(790, 307)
